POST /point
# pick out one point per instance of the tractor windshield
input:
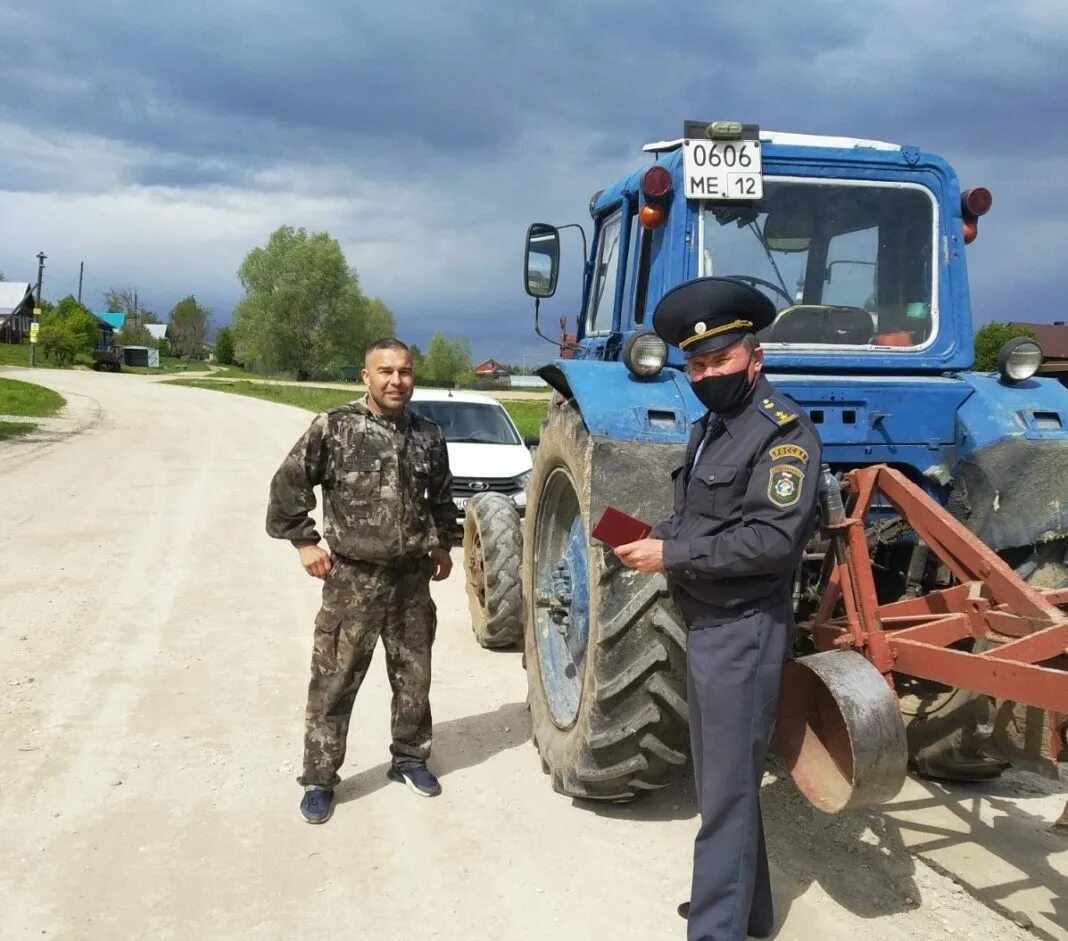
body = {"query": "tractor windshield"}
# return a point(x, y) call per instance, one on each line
point(846, 263)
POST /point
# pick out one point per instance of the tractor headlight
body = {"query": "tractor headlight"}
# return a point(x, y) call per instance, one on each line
point(1019, 359)
point(644, 354)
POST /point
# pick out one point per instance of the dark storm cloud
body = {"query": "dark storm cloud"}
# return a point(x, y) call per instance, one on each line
point(473, 103)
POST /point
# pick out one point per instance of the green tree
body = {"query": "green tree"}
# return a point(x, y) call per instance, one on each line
point(447, 361)
point(134, 334)
point(67, 330)
point(224, 346)
point(189, 323)
point(990, 338)
point(418, 362)
point(303, 311)
point(125, 301)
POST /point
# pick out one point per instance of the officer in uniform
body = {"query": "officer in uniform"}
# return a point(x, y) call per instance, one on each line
point(389, 522)
point(745, 506)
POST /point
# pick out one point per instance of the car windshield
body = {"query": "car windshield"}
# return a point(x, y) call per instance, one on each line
point(845, 263)
point(469, 422)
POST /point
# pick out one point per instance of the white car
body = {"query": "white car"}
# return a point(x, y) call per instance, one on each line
point(486, 451)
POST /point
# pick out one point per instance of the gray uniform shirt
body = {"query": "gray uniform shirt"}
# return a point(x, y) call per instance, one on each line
point(744, 509)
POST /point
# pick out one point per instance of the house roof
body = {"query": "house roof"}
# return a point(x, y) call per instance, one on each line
point(158, 331)
point(13, 295)
point(110, 317)
point(1052, 337)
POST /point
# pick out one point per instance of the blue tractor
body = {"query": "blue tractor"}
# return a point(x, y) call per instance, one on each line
point(861, 244)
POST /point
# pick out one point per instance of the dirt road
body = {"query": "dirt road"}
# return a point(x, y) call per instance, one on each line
point(154, 646)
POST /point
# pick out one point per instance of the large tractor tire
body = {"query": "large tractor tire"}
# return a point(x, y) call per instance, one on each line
point(604, 646)
point(951, 731)
point(493, 548)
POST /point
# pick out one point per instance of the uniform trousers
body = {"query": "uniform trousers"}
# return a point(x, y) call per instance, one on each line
point(733, 674)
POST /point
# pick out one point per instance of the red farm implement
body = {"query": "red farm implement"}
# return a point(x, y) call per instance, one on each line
point(839, 727)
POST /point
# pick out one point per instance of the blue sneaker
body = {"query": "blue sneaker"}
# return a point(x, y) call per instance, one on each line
point(317, 805)
point(418, 779)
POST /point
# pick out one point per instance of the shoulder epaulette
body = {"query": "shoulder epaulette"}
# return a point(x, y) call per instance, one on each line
point(776, 412)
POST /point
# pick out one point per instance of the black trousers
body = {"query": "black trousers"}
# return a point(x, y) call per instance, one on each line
point(733, 674)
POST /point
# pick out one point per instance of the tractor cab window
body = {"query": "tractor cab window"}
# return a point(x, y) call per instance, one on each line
point(605, 277)
point(846, 264)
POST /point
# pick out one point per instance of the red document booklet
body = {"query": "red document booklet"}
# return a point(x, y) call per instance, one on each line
point(616, 528)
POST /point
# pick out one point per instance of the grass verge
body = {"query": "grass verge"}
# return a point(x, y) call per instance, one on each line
point(25, 398)
point(13, 429)
point(313, 399)
point(526, 415)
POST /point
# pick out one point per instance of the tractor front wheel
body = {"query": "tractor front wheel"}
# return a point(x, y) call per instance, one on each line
point(604, 645)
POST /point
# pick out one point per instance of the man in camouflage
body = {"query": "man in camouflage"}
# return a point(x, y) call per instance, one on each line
point(390, 523)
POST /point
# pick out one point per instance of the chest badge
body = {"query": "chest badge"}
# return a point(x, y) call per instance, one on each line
point(784, 485)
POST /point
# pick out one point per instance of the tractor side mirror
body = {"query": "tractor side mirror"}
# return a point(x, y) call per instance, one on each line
point(543, 260)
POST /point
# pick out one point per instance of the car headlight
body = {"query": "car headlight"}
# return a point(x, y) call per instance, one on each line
point(522, 480)
point(644, 354)
point(1019, 359)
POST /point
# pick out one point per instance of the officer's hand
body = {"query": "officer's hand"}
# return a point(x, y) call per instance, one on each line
point(645, 555)
point(316, 562)
point(442, 564)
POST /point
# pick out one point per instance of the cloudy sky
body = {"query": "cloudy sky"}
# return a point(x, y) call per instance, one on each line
point(159, 143)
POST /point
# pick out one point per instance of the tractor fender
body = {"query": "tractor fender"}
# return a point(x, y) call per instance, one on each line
point(1010, 482)
point(616, 404)
point(638, 430)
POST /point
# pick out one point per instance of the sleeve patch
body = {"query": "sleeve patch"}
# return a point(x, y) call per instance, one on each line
point(784, 485)
point(788, 450)
point(773, 411)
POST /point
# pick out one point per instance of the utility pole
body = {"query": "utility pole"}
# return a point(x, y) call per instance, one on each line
point(41, 256)
point(135, 309)
point(81, 271)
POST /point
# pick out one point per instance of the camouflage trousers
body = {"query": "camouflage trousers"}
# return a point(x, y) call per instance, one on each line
point(363, 601)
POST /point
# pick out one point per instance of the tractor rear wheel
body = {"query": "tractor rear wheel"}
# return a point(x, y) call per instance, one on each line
point(951, 730)
point(493, 548)
point(947, 729)
point(604, 645)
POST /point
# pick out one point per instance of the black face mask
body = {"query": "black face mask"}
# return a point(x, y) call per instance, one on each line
point(723, 394)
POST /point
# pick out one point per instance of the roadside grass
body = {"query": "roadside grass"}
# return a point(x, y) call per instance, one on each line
point(18, 354)
point(13, 429)
point(168, 364)
point(526, 414)
point(25, 398)
point(236, 372)
point(312, 399)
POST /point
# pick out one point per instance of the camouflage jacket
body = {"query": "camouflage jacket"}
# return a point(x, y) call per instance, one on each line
point(387, 488)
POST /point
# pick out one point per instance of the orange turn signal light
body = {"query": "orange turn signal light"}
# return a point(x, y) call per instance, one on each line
point(651, 216)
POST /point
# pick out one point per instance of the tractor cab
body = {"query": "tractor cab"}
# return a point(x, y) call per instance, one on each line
point(861, 245)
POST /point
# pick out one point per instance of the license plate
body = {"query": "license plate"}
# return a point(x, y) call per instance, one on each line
point(461, 502)
point(722, 169)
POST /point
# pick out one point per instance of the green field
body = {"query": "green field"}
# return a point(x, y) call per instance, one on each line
point(526, 414)
point(25, 398)
point(168, 364)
